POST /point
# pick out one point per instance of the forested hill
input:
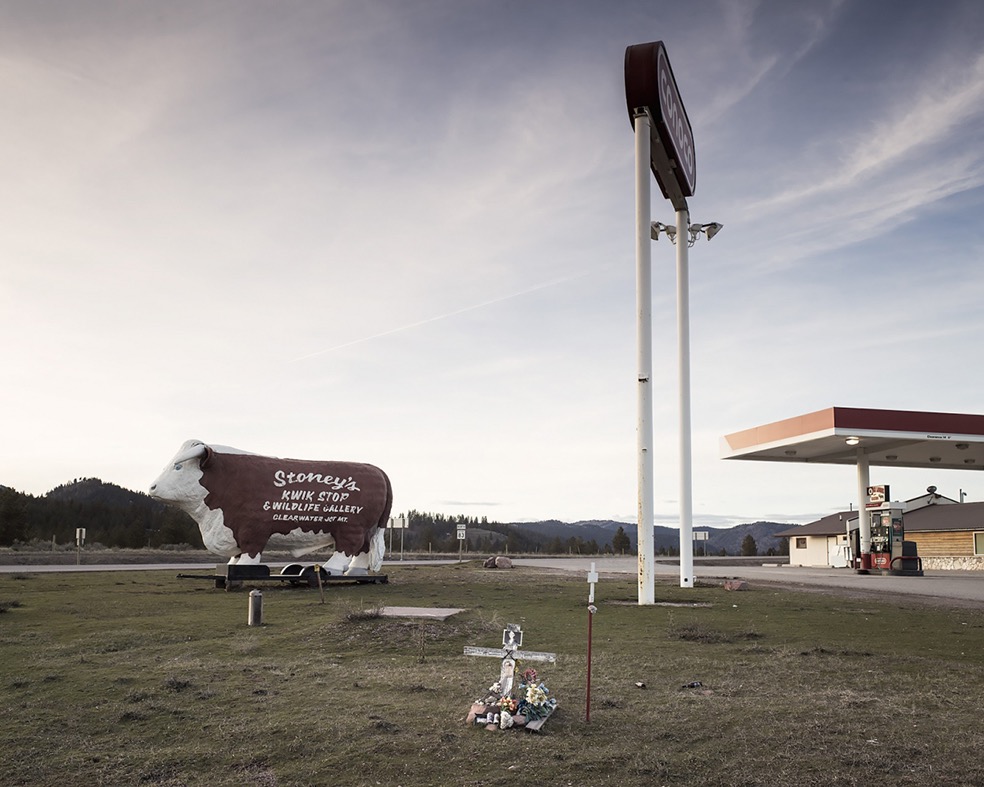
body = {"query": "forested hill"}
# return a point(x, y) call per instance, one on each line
point(118, 517)
point(92, 491)
point(112, 516)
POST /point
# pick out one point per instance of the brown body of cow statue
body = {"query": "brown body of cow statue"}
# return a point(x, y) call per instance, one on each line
point(244, 502)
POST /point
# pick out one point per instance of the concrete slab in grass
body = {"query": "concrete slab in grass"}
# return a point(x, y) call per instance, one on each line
point(432, 613)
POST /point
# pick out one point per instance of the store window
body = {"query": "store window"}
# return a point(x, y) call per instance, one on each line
point(801, 542)
point(979, 543)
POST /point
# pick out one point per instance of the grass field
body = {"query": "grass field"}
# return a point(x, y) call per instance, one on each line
point(137, 678)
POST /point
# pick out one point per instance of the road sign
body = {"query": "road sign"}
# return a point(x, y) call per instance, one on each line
point(462, 532)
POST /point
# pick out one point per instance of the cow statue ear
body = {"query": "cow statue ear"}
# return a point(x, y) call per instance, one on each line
point(206, 458)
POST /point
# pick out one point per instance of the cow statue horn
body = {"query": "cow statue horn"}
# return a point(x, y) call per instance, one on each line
point(194, 450)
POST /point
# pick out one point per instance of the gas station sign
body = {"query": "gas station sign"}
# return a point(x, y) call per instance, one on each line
point(649, 84)
point(877, 495)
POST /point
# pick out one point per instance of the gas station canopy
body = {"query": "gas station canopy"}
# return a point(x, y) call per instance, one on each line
point(900, 438)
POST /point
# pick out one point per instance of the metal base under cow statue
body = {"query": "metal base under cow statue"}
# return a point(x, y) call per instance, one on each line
point(244, 503)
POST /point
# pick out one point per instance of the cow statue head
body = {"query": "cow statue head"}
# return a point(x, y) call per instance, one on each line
point(180, 482)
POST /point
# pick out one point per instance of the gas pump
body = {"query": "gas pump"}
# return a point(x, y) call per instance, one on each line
point(887, 535)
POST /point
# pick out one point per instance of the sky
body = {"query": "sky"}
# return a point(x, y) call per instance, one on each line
point(403, 233)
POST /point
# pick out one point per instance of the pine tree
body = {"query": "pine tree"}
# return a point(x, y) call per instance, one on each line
point(620, 541)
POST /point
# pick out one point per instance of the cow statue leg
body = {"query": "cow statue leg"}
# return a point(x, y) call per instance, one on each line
point(358, 565)
point(336, 564)
point(371, 559)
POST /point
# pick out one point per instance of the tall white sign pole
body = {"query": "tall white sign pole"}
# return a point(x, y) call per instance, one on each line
point(644, 328)
point(683, 352)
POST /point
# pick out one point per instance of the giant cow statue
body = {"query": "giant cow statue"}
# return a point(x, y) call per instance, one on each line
point(243, 502)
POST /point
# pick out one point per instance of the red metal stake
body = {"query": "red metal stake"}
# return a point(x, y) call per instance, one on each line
point(587, 710)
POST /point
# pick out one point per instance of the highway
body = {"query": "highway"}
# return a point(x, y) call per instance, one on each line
point(964, 587)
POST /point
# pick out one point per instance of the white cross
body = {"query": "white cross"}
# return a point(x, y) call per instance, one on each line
point(512, 639)
point(592, 579)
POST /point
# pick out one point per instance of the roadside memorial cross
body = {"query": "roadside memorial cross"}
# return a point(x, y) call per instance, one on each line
point(512, 641)
point(534, 698)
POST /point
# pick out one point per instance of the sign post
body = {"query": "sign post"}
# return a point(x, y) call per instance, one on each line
point(592, 579)
point(397, 523)
point(644, 364)
point(462, 536)
point(701, 535)
point(656, 112)
point(79, 541)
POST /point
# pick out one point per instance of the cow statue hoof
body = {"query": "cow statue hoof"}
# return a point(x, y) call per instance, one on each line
point(336, 564)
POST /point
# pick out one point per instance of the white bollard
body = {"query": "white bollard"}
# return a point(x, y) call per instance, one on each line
point(255, 608)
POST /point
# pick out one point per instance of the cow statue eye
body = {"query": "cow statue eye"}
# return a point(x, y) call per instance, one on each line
point(177, 467)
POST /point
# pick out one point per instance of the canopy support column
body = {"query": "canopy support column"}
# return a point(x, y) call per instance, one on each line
point(864, 523)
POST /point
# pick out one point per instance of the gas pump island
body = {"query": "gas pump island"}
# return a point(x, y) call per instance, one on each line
point(890, 552)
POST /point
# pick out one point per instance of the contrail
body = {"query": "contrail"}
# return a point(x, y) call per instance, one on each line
point(534, 288)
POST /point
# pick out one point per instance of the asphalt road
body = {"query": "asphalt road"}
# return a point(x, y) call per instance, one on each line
point(965, 587)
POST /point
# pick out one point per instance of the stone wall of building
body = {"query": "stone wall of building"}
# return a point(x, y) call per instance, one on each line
point(971, 563)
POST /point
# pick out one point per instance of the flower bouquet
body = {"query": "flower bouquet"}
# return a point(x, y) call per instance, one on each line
point(528, 704)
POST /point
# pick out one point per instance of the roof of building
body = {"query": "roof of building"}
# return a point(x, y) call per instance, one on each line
point(891, 438)
point(928, 519)
point(832, 524)
point(962, 516)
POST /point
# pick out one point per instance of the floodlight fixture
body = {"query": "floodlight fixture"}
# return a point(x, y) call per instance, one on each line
point(693, 231)
point(657, 227)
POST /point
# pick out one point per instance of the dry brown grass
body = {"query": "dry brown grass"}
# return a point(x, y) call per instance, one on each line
point(143, 679)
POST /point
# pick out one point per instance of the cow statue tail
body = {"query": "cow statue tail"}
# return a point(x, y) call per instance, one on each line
point(377, 548)
point(377, 544)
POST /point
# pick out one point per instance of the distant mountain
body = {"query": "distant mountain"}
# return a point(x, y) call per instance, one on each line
point(554, 528)
point(664, 538)
point(730, 539)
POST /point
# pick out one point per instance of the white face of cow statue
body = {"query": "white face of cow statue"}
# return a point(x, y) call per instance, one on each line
point(242, 502)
